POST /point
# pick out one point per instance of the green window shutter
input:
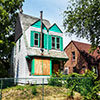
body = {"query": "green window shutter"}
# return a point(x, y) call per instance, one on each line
point(49, 43)
point(32, 39)
point(61, 43)
point(38, 39)
point(45, 41)
point(32, 66)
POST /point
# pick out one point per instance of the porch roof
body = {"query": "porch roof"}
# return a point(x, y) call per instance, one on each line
point(49, 54)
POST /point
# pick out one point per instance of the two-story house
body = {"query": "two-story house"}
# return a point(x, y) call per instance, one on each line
point(39, 48)
point(81, 59)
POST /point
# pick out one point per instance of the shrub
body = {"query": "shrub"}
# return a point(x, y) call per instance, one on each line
point(80, 83)
point(34, 90)
point(54, 81)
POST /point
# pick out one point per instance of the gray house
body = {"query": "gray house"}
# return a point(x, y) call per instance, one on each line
point(39, 49)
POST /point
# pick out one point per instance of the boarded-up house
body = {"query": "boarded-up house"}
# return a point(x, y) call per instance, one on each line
point(39, 48)
point(80, 58)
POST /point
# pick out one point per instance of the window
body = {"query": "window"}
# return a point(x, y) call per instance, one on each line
point(58, 43)
point(36, 39)
point(66, 71)
point(53, 42)
point(73, 56)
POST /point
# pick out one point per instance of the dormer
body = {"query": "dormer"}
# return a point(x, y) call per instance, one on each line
point(52, 37)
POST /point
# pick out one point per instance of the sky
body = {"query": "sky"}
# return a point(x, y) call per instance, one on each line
point(52, 11)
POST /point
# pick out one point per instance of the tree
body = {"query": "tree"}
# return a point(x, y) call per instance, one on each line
point(82, 18)
point(8, 13)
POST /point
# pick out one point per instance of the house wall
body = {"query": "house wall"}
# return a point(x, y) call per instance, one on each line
point(39, 67)
point(20, 61)
point(79, 61)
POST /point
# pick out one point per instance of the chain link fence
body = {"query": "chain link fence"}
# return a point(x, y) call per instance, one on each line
point(43, 89)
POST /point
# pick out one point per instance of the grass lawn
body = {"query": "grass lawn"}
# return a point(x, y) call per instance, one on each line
point(25, 93)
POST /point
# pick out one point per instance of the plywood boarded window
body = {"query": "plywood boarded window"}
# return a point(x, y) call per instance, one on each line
point(42, 66)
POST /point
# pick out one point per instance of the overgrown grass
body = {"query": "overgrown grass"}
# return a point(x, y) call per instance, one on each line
point(28, 93)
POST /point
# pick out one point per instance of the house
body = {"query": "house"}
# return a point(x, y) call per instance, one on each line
point(80, 58)
point(39, 49)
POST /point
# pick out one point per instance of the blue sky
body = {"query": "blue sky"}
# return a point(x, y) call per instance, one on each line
point(52, 11)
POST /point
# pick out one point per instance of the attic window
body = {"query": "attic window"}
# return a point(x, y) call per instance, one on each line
point(36, 39)
point(73, 56)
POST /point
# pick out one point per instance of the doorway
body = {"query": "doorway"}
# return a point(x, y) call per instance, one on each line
point(55, 66)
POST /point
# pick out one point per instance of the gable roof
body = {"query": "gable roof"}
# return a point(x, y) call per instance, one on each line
point(38, 21)
point(56, 26)
point(27, 21)
point(84, 49)
point(23, 22)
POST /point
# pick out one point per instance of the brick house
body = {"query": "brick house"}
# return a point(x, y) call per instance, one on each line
point(39, 48)
point(80, 58)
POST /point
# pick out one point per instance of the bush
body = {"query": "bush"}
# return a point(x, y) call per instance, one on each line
point(34, 90)
point(80, 83)
point(55, 81)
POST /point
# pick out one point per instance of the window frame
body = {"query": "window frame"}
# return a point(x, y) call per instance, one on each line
point(36, 39)
point(55, 42)
point(58, 43)
point(52, 42)
point(73, 56)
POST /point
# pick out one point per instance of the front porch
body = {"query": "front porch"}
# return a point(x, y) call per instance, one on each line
point(44, 66)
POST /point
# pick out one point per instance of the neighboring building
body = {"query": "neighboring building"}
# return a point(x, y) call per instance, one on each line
point(80, 58)
point(39, 48)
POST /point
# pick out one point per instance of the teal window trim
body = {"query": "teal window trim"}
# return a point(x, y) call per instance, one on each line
point(33, 67)
point(32, 39)
point(50, 67)
point(60, 43)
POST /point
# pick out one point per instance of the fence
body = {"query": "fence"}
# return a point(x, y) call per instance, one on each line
point(46, 88)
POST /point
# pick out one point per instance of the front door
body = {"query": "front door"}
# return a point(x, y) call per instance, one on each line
point(56, 66)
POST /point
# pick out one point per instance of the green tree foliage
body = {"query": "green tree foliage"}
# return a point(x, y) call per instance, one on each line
point(82, 18)
point(8, 15)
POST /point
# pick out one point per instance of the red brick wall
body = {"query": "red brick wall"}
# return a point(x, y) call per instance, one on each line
point(79, 60)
